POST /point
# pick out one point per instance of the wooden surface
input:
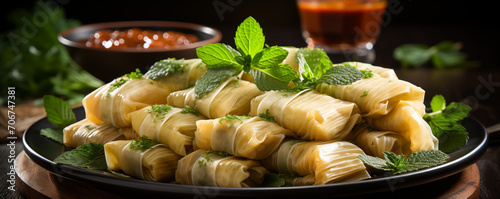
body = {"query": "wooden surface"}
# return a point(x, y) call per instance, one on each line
point(34, 181)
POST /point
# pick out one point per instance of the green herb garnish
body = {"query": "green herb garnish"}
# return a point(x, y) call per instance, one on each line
point(397, 164)
point(89, 155)
point(123, 79)
point(142, 144)
point(59, 113)
point(192, 110)
point(207, 159)
point(266, 116)
point(163, 68)
point(445, 54)
point(367, 73)
point(251, 56)
point(159, 111)
point(233, 117)
point(364, 94)
point(316, 68)
point(445, 123)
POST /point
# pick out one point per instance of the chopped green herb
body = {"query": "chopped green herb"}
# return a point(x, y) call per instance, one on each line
point(364, 94)
point(192, 110)
point(142, 144)
point(159, 111)
point(207, 159)
point(163, 68)
point(233, 117)
point(266, 116)
point(445, 123)
point(368, 73)
point(123, 79)
point(89, 155)
point(397, 164)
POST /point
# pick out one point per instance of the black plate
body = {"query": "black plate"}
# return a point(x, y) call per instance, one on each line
point(42, 151)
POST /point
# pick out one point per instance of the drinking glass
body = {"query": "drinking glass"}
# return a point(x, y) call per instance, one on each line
point(345, 29)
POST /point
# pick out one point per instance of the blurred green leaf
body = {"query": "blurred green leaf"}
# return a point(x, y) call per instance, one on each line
point(33, 60)
point(445, 54)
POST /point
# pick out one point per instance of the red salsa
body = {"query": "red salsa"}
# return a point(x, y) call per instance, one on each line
point(138, 38)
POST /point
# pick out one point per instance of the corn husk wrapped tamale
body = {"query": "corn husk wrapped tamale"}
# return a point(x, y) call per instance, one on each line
point(326, 161)
point(157, 163)
point(208, 168)
point(85, 131)
point(376, 96)
point(311, 115)
point(112, 103)
point(247, 137)
point(230, 97)
point(406, 121)
point(167, 125)
point(375, 142)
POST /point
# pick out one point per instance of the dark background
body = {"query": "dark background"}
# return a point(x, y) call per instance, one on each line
point(473, 23)
point(468, 22)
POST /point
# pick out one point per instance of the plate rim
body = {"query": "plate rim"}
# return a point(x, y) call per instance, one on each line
point(116, 183)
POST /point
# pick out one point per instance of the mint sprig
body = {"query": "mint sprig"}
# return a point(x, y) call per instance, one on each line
point(444, 121)
point(315, 68)
point(58, 113)
point(397, 164)
point(251, 56)
point(90, 155)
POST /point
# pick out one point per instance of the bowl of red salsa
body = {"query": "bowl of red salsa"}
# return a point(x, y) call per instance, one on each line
point(109, 50)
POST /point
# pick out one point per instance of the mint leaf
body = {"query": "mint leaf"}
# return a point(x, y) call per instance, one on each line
point(249, 38)
point(445, 123)
point(58, 111)
point(265, 82)
point(445, 54)
point(89, 155)
point(212, 78)
point(412, 55)
point(456, 111)
point(341, 75)
point(397, 164)
point(269, 57)
point(54, 134)
point(313, 63)
point(438, 103)
point(375, 162)
point(162, 68)
point(424, 159)
point(218, 55)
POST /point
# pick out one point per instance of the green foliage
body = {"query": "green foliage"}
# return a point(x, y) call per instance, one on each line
point(251, 56)
point(397, 164)
point(89, 155)
point(445, 123)
point(58, 113)
point(445, 54)
point(36, 63)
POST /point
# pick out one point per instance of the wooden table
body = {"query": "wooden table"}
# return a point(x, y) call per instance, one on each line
point(34, 181)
